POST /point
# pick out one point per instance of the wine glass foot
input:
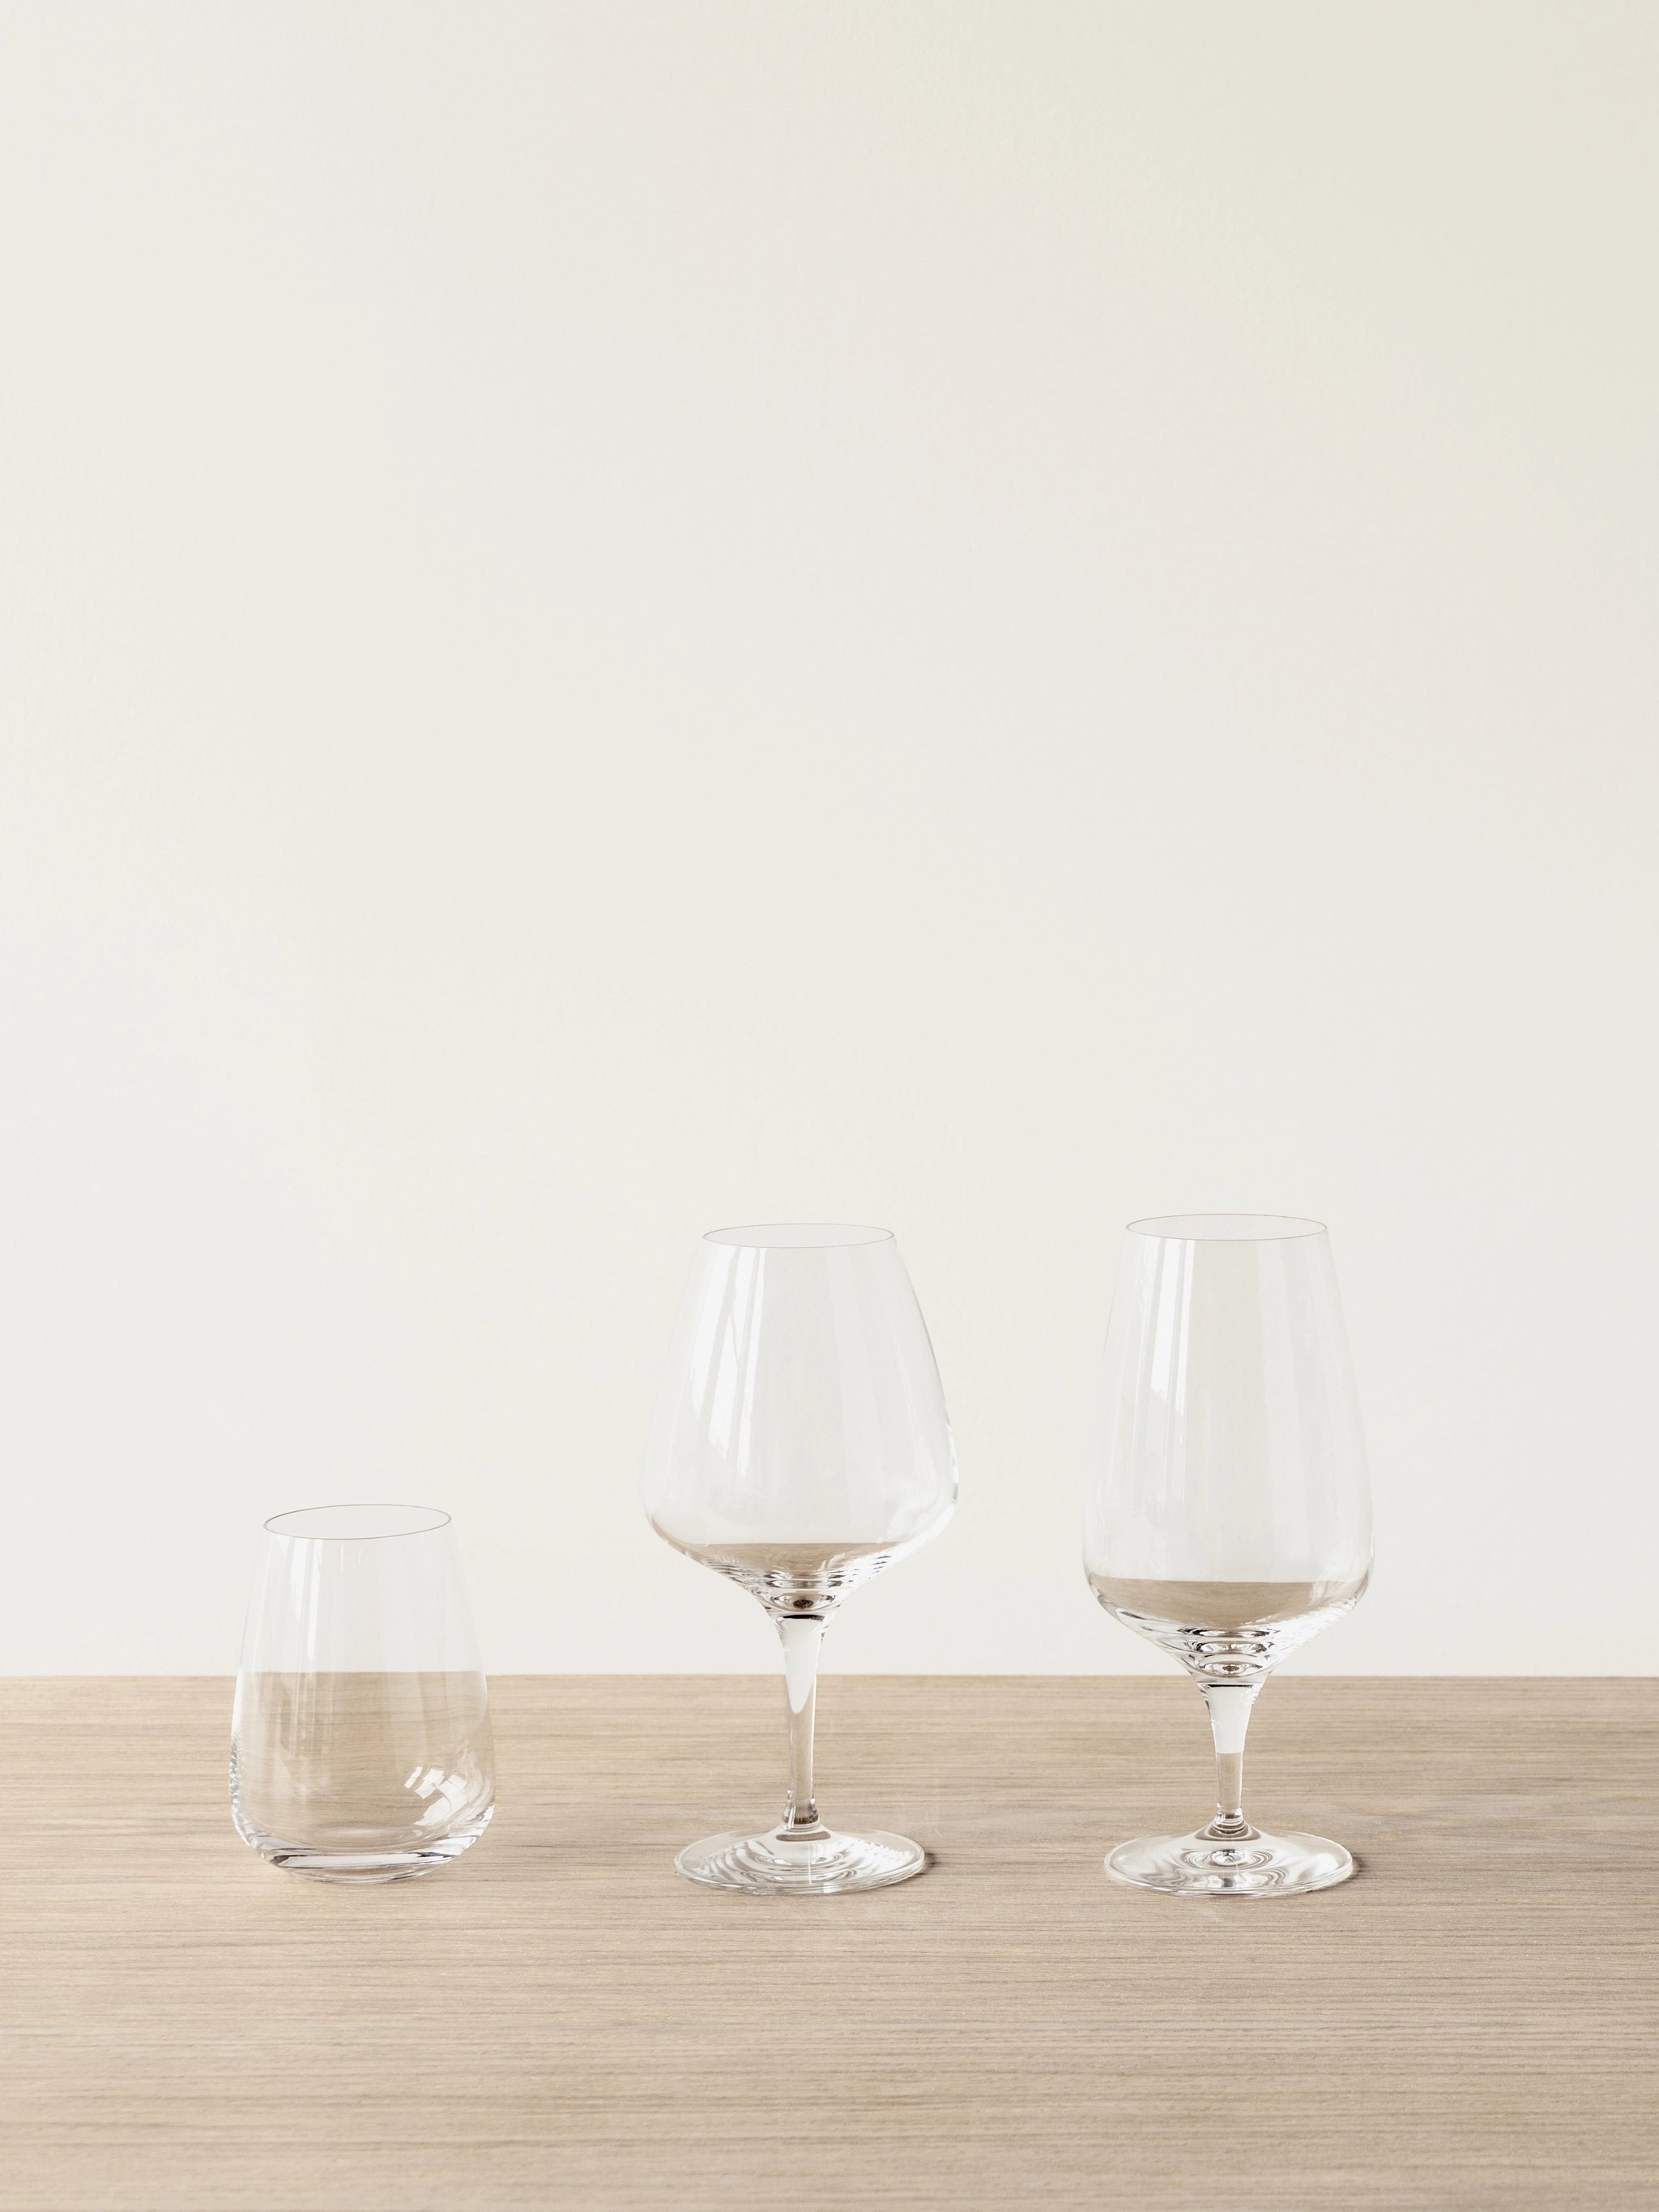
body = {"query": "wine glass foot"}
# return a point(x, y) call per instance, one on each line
point(1203, 1866)
point(771, 1865)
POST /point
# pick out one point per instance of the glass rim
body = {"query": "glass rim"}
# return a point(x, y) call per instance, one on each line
point(1239, 1229)
point(798, 1235)
point(427, 1520)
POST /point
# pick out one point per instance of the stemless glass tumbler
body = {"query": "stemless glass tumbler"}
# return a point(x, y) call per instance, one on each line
point(361, 1748)
point(800, 1446)
point(1228, 1514)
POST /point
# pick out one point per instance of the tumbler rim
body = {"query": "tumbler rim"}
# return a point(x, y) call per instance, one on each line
point(419, 1521)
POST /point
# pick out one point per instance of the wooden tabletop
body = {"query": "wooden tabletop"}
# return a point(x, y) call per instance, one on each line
point(559, 2020)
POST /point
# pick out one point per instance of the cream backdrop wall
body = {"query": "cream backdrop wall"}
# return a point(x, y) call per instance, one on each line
point(987, 618)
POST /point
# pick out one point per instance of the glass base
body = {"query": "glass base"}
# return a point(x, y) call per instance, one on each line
point(774, 1865)
point(363, 1866)
point(1210, 1866)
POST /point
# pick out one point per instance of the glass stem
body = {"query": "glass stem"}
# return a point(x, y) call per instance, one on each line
point(802, 1636)
point(1230, 1704)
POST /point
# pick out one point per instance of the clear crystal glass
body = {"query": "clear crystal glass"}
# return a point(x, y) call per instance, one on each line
point(800, 1446)
point(1229, 1511)
point(360, 1746)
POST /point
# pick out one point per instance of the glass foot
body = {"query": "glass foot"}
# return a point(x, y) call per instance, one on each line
point(1253, 1866)
point(824, 1865)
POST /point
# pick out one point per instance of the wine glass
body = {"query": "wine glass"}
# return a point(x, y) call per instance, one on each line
point(360, 1746)
point(800, 1445)
point(1228, 1514)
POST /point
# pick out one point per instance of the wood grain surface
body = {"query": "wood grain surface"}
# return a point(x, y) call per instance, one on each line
point(558, 2021)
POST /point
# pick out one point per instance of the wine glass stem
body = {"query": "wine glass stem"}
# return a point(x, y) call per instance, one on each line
point(1230, 1704)
point(802, 1636)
